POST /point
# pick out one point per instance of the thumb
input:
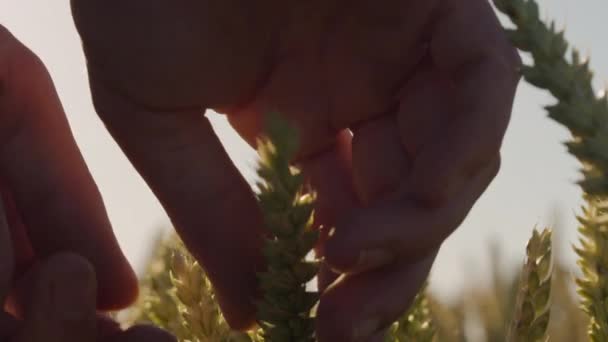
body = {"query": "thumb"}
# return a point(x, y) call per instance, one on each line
point(61, 304)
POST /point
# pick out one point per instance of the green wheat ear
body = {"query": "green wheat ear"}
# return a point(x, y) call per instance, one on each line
point(586, 116)
point(178, 297)
point(417, 323)
point(197, 303)
point(577, 107)
point(285, 312)
point(158, 304)
point(593, 261)
point(533, 304)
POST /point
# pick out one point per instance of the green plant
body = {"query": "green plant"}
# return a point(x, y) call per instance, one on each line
point(532, 313)
point(285, 312)
point(177, 296)
point(158, 303)
point(586, 116)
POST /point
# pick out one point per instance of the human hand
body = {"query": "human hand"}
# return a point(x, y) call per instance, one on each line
point(52, 203)
point(425, 87)
point(55, 301)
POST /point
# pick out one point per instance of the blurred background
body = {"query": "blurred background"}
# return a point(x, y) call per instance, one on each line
point(534, 188)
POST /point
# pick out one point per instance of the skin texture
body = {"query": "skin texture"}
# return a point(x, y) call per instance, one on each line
point(56, 301)
point(59, 306)
point(51, 200)
point(402, 107)
point(48, 296)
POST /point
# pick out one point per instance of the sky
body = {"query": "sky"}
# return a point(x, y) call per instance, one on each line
point(535, 186)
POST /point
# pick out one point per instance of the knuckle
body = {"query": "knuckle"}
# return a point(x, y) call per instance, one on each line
point(24, 80)
point(486, 156)
point(514, 62)
point(6, 42)
point(514, 57)
point(495, 166)
point(509, 63)
point(16, 56)
point(6, 38)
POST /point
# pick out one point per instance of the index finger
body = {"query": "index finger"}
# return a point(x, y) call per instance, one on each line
point(210, 203)
point(53, 190)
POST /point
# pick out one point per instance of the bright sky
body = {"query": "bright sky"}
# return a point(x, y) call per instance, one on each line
point(534, 186)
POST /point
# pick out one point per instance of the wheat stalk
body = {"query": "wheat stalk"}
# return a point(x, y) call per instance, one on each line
point(177, 296)
point(586, 116)
point(533, 305)
point(158, 304)
point(198, 306)
point(593, 261)
point(577, 107)
point(285, 312)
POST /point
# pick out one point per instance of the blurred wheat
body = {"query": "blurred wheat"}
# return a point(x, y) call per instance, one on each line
point(586, 116)
point(417, 324)
point(490, 309)
point(533, 308)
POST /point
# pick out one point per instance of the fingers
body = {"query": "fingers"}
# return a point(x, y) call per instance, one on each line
point(452, 118)
point(53, 190)
point(469, 47)
point(61, 307)
point(400, 229)
point(330, 174)
point(376, 177)
point(211, 205)
point(361, 307)
point(379, 160)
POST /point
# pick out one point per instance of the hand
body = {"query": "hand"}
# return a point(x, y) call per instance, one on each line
point(426, 88)
point(57, 301)
point(52, 203)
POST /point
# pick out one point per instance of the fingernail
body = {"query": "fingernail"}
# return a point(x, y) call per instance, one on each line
point(366, 329)
point(372, 259)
